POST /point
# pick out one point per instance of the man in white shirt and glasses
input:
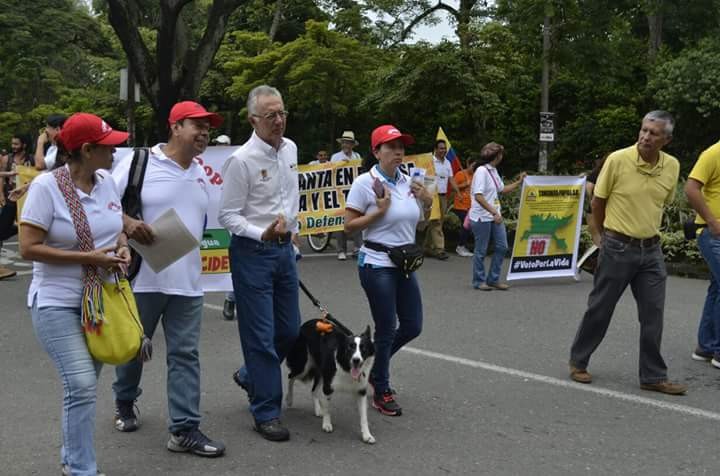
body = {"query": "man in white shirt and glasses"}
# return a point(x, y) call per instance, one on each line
point(259, 207)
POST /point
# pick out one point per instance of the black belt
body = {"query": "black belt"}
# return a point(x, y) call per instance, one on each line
point(376, 246)
point(638, 242)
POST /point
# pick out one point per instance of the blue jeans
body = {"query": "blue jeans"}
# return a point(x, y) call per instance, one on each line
point(181, 317)
point(484, 231)
point(393, 298)
point(709, 328)
point(265, 281)
point(60, 334)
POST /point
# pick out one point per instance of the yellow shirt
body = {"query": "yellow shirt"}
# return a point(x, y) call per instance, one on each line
point(636, 192)
point(707, 172)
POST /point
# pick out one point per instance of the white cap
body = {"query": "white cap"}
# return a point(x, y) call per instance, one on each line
point(222, 139)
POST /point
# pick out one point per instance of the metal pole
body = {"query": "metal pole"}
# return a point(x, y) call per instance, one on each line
point(545, 88)
point(130, 110)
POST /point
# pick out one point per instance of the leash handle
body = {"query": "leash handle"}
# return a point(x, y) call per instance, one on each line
point(328, 316)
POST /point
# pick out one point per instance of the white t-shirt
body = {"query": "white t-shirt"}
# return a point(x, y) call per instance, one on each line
point(397, 226)
point(487, 182)
point(62, 284)
point(167, 185)
point(443, 173)
point(340, 156)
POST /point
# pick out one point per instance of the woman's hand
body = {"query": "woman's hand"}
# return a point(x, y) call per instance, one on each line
point(421, 193)
point(383, 203)
point(102, 258)
point(17, 193)
point(122, 251)
point(497, 218)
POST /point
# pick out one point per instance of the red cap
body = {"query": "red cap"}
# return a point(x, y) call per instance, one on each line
point(83, 128)
point(388, 133)
point(193, 110)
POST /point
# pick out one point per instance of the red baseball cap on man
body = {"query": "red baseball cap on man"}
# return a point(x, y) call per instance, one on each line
point(83, 128)
point(388, 133)
point(193, 110)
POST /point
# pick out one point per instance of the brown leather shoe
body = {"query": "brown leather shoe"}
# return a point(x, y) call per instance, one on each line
point(6, 273)
point(500, 286)
point(665, 387)
point(580, 375)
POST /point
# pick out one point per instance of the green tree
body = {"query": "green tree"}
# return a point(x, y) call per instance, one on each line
point(183, 49)
point(54, 57)
point(323, 76)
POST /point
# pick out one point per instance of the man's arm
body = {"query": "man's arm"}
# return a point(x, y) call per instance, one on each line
point(40, 151)
point(598, 213)
point(693, 190)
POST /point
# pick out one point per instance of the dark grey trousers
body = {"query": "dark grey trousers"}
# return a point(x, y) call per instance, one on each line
point(643, 269)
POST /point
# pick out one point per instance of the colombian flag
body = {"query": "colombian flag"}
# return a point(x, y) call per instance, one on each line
point(451, 155)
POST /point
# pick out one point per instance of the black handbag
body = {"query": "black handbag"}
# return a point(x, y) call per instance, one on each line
point(407, 258)
point(131, 203)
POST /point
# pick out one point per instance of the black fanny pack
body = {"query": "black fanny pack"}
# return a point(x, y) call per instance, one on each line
point(407, 258)
point(690, 229)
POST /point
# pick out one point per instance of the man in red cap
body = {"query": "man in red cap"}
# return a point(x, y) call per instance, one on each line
point(173, 179)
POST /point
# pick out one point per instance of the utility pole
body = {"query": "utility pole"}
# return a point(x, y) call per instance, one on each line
point(546, 122)
point(131, 106)
point(129, 92)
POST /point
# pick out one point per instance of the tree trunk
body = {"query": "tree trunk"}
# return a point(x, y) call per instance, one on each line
point(279, 6)
point(655, 27)
point(177, 69)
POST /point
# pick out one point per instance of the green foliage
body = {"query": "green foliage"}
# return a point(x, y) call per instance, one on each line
point(687, 85)
point(679, 250)
point(323, 76)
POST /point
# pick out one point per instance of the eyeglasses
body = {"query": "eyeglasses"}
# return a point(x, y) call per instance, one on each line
point(271, 116)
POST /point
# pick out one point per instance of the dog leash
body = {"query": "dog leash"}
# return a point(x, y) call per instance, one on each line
point(328, 316)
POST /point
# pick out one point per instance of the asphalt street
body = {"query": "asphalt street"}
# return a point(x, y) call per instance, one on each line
point(484, 390)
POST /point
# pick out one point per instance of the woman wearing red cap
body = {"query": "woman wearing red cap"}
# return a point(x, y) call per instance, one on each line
point(386, 206)
point(65, 261)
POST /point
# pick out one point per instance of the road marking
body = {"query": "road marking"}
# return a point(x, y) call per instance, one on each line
point(627, 397)
point(687, 410)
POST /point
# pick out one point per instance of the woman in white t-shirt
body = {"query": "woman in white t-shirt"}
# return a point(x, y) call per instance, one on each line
point(386, 206)
point(49, 238)
point(486, 217)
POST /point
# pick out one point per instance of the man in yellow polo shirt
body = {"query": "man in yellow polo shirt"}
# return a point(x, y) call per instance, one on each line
point(634, 185)
point(703, 193)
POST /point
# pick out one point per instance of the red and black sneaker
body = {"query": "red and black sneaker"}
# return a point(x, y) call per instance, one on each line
point(386, 404)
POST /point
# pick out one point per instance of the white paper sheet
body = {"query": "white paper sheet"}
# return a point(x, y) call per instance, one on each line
point(172, 241)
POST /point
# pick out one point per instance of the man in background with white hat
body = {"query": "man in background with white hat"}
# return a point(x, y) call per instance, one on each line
point(347, 143)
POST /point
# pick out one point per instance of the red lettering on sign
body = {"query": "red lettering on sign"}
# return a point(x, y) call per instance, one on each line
point(537, 247)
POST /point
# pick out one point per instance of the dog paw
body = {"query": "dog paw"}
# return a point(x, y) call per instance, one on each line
point(369, 439)
point(327, 427)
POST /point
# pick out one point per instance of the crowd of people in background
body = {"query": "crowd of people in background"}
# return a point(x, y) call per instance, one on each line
point(74, 229)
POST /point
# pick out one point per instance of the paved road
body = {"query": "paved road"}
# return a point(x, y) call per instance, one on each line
point(484, 391)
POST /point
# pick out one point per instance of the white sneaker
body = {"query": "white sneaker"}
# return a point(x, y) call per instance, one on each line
point(462, 251)
point(342, 256)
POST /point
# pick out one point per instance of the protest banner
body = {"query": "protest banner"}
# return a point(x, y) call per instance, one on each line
point(324, 189)
point(548, 228)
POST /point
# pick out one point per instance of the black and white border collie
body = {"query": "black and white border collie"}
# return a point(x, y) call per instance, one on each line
point(333, 361)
